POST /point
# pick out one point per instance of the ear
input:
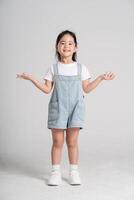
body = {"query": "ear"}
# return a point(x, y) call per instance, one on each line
point(76, 49)
point(57, 48)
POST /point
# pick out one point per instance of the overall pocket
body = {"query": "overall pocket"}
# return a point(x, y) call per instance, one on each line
point(81, 110)
point(53, 111)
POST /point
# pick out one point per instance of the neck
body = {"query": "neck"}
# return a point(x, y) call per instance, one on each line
point(66, 60)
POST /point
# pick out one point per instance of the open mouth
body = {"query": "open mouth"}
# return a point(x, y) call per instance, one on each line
point(66, 50)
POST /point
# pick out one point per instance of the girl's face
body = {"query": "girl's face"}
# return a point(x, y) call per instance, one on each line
point(66, 46)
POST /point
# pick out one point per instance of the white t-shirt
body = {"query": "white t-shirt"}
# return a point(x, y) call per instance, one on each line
point(67, 70)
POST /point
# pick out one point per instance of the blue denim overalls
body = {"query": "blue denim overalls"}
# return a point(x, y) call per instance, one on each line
point(66, 108)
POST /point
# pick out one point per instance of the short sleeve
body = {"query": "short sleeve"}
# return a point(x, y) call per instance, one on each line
point(85, 73)
point(49, 74)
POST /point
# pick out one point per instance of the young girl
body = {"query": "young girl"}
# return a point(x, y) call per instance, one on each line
point(66, 108)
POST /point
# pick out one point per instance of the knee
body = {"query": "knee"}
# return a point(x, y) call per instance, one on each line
point(58, 143)
point(71, 143)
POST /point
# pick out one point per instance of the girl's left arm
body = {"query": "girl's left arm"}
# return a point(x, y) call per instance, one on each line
point(89, 86)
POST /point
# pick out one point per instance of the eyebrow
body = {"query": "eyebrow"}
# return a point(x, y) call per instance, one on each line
point(65, 41)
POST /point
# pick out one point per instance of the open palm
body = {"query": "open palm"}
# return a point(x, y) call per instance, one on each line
point(108, 76)
point(24, 76)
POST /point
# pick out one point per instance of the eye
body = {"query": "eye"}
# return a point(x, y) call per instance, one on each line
point(62, 42)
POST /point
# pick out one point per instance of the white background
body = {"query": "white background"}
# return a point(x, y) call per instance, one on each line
point(105, 34)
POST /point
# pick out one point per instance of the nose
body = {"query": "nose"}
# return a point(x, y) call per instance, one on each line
point(66, 44)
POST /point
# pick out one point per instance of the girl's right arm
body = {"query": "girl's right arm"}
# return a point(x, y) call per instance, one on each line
point(44, 87)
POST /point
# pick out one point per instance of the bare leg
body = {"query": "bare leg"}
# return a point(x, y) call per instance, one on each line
point(58, 141)
point(72, 144)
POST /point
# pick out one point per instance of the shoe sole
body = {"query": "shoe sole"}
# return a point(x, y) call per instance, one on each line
point(52, 185)
point(49, 184)
point(75, 184)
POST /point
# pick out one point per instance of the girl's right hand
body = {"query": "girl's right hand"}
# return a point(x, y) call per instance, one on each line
point(24, 76)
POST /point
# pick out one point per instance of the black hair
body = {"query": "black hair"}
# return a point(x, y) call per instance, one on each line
point(74, 57)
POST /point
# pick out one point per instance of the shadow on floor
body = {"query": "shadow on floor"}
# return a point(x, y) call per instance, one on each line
point(40, 173)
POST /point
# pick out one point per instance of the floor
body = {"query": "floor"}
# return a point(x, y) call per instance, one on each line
point(107, 180)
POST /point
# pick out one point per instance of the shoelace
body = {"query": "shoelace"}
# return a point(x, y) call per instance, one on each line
point(74, 172)
point(54, 172)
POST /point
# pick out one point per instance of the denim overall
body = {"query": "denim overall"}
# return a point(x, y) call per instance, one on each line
point(66, 107)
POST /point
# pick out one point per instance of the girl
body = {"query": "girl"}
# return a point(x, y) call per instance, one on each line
point(66, 108)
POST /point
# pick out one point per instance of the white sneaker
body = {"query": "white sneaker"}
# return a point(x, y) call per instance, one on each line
point(74, 178)
point(55, 178)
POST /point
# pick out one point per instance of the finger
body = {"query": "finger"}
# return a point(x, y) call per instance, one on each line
point(105, 73)
point(113, 76)
point(18, 75)
point(109, 73)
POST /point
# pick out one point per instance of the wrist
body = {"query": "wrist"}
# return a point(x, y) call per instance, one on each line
point(31, 78)
point(101, 77)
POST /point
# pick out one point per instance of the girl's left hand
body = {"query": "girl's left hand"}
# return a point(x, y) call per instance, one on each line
point(107, 76)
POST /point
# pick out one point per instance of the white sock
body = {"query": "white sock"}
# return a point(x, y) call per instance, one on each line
point(73, 167)
point(56, 167)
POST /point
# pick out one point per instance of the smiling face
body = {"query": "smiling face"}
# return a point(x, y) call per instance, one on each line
point(66, 46)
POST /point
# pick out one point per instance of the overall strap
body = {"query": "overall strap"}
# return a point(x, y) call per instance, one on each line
point(55, 68)
point(79, 68)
